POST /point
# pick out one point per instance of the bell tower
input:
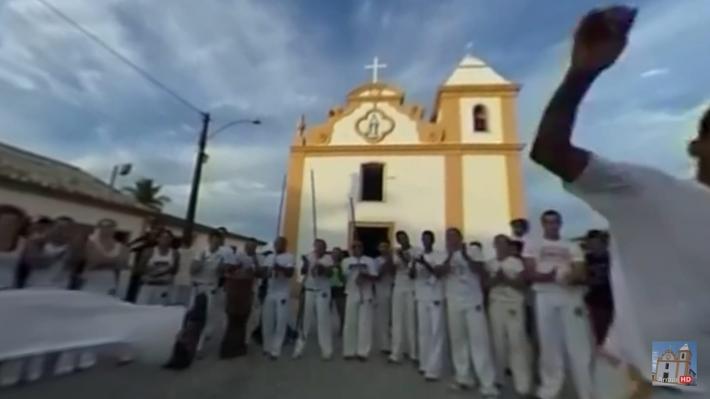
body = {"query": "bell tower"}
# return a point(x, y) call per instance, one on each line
point(477, 108)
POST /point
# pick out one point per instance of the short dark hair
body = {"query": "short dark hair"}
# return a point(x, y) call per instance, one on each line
point(428, 233)
point(216, 234)
point(44, 220)
point(521, 221)
point(592, 234)
point(401, 233)
point(478, 243)
point(551, 212)
point(704, 129)
point(456, 230)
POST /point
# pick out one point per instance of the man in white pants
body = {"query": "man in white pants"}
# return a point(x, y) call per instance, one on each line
point(468, 326)
point(279, 267)
point(206, 271)
point(361, 273)
point(562, 319)
point(317, 270)
point(658, 224)
point(383, 298)
point(404, 333)
point(506, 309)
point(431, 319)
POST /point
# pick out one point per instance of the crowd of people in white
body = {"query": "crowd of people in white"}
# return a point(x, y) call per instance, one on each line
point(532, 299)
point(408, 301)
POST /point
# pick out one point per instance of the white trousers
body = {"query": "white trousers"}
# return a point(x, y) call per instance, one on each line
point(383, 322)
point(216, 322)
point(254, 317)
point(155, 295)
point(357, 330)
point(432, 332)
point(404, 334)
point(470, 343)
point(316, 309)
point(274, 320)
point(510, 343)
point(563, 328)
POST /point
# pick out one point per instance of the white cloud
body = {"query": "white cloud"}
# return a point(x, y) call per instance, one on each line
point(654, 72)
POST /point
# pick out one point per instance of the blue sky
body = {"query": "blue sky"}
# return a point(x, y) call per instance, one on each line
point(67, 98)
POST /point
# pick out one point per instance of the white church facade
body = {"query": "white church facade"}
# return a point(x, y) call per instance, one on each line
point(378, 164)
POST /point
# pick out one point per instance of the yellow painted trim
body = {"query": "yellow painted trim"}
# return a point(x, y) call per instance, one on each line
point(513, 162)
point(455, 93)
point(292, 212)
point(409, 149)
point(453, 189)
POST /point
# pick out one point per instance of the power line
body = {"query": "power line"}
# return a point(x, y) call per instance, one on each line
point(118, 55)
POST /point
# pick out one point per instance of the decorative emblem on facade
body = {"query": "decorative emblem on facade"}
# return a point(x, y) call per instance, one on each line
point(374, 126)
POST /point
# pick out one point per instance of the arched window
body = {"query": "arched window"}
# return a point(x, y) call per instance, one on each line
point(480, 119)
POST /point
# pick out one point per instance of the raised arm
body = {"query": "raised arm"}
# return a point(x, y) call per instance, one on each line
point(598, 42)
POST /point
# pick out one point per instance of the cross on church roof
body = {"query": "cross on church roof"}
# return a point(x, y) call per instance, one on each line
point(375, 66)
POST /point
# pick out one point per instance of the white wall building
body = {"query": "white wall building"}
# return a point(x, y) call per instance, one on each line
point(46, 187)
point(459, 168)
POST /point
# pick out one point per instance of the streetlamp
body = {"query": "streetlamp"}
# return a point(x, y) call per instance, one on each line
point(119, 170)
point(199, 161)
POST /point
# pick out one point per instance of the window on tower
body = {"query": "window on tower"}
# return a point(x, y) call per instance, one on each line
point(480, 119)
point(372, 182)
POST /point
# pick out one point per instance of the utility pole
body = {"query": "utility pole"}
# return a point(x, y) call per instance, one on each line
point(196, 177)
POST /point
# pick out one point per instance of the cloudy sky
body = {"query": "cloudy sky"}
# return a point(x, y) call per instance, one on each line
point(65, 97)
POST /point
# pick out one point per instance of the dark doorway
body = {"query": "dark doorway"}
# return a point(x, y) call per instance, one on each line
point(371, 237)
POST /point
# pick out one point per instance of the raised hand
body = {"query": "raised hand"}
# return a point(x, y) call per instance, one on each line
point(601, 37)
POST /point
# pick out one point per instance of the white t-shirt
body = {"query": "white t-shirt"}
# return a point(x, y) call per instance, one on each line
point(279, 286)
point(554, 255)
point(428, 287)
point(402, 281)
point(383, 286)
point(211, 261)
point(352, 267)
point(462, 285)
point(511, 267)
point(312, 281)
point(660, 257)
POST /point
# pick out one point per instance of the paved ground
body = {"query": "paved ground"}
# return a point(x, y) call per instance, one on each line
point(253, 377)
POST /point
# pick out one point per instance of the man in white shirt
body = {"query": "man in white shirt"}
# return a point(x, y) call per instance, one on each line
point(506, 309)
point(431, 320)
point(279, 267)
point(361, 273)
point(562, 320)
point(658, 223)
point(383, 298)
point(403, 307)
point(468, 326)
point(317, 269)
point(206, 272)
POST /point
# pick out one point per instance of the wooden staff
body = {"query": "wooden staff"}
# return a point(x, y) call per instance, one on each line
point(281, 207)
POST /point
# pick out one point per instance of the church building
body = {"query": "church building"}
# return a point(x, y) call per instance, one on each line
point(378, 164)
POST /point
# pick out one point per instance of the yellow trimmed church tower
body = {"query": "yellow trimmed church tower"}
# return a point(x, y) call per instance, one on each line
point(377, 164)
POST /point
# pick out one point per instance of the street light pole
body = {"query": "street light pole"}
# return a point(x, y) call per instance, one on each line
point(196, 177)
point(197, 174)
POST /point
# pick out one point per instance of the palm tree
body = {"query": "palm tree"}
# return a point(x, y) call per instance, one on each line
point(146, 192)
